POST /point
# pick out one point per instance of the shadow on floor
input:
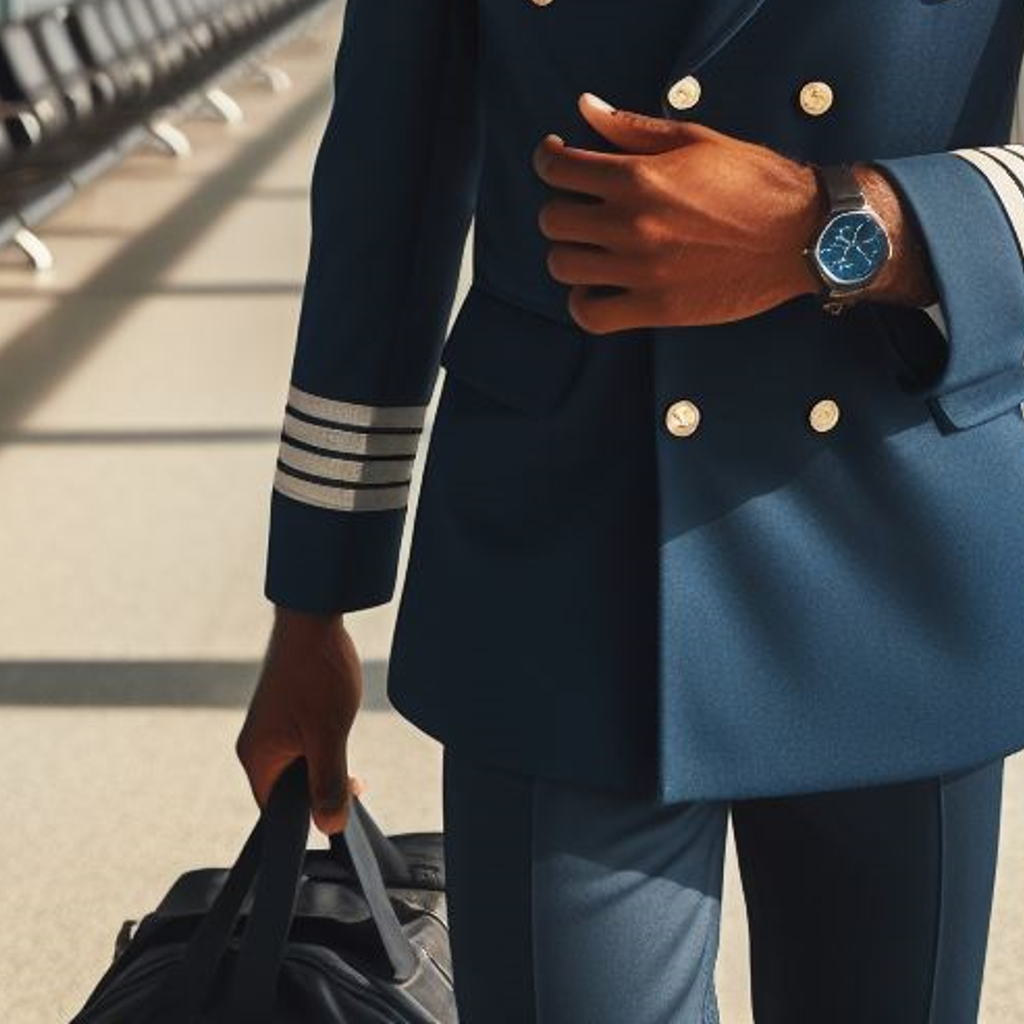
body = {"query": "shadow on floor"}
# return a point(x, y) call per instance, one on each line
point(224, 684)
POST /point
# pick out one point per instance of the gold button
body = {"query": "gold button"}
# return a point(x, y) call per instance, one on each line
point(816, 97)
point(682, 417)
point(824, 415)
point(541, 3)
point(684, 93)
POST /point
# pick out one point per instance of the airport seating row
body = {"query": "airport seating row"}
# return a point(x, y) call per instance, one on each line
point(85, 83)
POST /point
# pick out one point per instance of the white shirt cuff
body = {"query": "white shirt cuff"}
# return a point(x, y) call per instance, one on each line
point(935, 312)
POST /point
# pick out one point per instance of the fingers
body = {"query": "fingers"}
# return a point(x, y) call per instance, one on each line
point(597, 225)
point(610, 175)
point(602, 312)
point(585, 171)
point(326, 767)
point(631, 130)
point(636, 132)
point(568, 219)
point(329, 781)
point(584, 264)
point(263, 760)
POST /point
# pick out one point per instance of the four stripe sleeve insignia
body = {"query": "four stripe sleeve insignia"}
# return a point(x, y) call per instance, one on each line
point(347, 456)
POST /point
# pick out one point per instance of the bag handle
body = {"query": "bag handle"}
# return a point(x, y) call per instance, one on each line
point(389, 856)
point(273, 856)
point(266, 934)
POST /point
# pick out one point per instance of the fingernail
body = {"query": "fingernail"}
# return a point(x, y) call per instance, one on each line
point(596, 101)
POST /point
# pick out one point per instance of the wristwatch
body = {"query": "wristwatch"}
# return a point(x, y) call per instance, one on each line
point(852, 246)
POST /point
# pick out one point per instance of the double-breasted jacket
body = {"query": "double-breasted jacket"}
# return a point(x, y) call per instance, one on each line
point(775, 555)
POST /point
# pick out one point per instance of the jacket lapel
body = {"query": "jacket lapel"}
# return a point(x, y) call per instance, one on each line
point(712, 27)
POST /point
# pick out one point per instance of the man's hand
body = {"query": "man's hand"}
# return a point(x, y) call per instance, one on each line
point(690, 225)
point(303, 706)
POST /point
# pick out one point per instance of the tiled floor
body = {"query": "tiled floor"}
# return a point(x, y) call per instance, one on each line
point(141, 383)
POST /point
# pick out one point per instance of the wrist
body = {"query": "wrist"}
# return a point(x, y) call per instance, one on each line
point(808, 219)
point(880, 197)
point(294, 620)
point(905, 277)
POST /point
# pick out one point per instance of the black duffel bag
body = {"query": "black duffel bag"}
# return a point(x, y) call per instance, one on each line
point(356, 933)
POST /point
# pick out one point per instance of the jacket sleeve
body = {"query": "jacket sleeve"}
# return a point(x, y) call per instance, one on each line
point(968, 204)
point(392, 195)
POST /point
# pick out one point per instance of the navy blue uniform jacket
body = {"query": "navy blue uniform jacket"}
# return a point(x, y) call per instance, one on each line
point(755, 607)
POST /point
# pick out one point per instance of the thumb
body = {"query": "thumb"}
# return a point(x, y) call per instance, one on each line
point(635, 132)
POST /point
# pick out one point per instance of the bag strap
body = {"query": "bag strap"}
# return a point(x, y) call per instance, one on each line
point(273, 856)
point(254, 977)
point(185, 988)
point(389, 856)
point(401, 952)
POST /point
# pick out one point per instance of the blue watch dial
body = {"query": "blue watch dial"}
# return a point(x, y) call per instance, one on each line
point(852, 247)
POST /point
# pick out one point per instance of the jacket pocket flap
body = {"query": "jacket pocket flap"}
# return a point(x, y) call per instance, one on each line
point(980, 400)
point(520, 357)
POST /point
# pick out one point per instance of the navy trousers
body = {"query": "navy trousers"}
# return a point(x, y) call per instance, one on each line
point(571, 905)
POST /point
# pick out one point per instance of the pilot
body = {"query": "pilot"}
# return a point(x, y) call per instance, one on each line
point(722, 514)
